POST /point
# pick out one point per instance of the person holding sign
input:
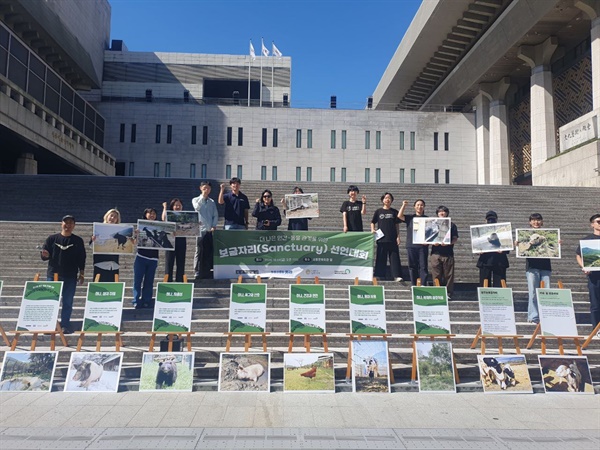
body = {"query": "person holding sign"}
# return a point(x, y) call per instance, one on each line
point(296, 224)
point(417, 253)
point(144, 269)
point(107, 266)
point(492, 266)
point(352, 210)
point(593, 276)
point(388, 239)
point(178, 255)
point(442, 255)
point(236, 206)
point(209, 217)
point(536, 270)
point(267, 214)
point(65, 253)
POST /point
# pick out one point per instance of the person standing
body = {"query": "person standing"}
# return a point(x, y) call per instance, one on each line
point(144, 269)
point(593, 277)
point(209, 217)
point(492, 265)
point(352, 210)
point(417, 253)
point(388, 223)
point(107, 266)
point(442, 256)
point(236, 206)
point(267, 214)
point(176, 256)
point(65, 253)
point(299, 224)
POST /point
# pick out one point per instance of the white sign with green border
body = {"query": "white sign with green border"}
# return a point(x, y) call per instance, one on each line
point(103, 307)
point(367, 310)
point(248, 308)
point(430, 310)
point(173, 308)
point(557, 316)
point(496, 311)
point(39, 307)
point(307, 308)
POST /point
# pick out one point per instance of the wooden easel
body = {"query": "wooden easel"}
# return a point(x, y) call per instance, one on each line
point(307, 335)
point(35, 334)
point(117, 334)
point(594, 332)
point(4, 336)
point(479, 335)
point(171, 336)
point(352, 336)
point(247, 336)
point(431, 337)
point(561, 349)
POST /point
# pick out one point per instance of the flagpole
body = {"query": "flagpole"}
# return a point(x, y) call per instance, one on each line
point(249, 65)
point(262, 45)
point(272, 81)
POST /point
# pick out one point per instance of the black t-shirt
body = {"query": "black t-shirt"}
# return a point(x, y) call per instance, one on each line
point(67, 255)
point(408, 219)
point(446, 250)
point(595, 275)
point(386, 220)
point(235, 205)
point(353, 214)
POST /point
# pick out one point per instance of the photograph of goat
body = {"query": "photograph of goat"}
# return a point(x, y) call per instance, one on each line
point(245, 372)
point(156, 235)
point(370, 366)
point(167, 372)
point(566, 374)
point(94, 372)
point(435, 366)
point(28, 371)
point(504, 374)
point(308, 372)
point(113, 239)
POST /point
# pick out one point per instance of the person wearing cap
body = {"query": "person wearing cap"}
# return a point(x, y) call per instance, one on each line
point(65, 253)
point(236, 206)
point(442, 255)
point(492, 265)
point(593, 277)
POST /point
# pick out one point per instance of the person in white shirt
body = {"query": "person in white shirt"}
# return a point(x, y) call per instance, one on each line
point(209, 217)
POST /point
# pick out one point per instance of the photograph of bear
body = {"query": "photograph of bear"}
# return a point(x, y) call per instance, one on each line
point(166, 371)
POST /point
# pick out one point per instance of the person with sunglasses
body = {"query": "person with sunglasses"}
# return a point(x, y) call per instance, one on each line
point(593, 277)
point(266, 213)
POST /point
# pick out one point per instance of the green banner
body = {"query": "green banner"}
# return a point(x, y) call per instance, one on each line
point(307, 294)
point(174, 292)
point(366, 295)
point(429, 296)
point(42, 290)
point(105, 292)
point(248, 308)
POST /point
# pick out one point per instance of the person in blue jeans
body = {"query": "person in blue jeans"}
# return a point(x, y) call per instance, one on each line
point(536, 270)
point(144, 269)
point(65, 253)
point(593, 277)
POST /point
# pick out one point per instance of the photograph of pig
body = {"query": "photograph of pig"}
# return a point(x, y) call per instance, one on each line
point(167, 372)
point(94, 372)
point(245, 372)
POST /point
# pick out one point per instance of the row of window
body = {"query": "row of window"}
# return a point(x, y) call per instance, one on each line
point(275, 137)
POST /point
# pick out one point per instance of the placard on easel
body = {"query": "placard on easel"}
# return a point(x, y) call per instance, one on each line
point(247, 313)
point(4, 336)
point(307, 313)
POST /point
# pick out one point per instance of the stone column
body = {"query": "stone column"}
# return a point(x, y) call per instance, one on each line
point(482, 130)
point(543, 130)
point(499, 163)
point(592, 9)
point(26, 164)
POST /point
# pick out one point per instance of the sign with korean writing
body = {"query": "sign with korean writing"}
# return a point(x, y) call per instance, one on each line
point(103, 307)
point(248, 308)
point(497, 312)
point(291, 254)
point(578, 132)
point(430, 310)
point(367, 310)
point(173, 307)
point(39, 307)
point(557, 316)
point(307, 308)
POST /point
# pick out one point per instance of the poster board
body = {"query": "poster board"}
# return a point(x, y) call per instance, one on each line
point(156, 235)
point(307, 308)
point(370, 366)
point(245, 372)
point(496, 311)
point(491, 237)
point(248, 308)
point(94, 372)
point(299, 206)
point(103, 307)
point(504, 374)
point(39, 307)
point(430, 310)
point(173, 308)
point(367, 310)
point(435, 366)
point(167, 372)
point(566, 374)
point(308, 372)
point(538, 243)
point(432, 230)
point(113, 239)
point(557, 316)
point(28, 371)
point(187, 223)
point(590, 254)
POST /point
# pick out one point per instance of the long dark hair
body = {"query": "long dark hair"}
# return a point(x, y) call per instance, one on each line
point(266, 191)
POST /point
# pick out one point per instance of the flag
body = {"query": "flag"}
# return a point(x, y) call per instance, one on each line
point(265, 51)
point(276, 51)
point(252, 54)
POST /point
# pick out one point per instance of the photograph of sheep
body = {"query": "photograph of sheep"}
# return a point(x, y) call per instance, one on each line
point(157, 235)
point(370, 366)
point(94, 372)
point(28, 371)
point(504, 374)
point(167, 372)
point(566, 374)
point(245, 372)
point(538, 243)
point(113, 239)
point(590, 253)
point(188, 223)
point(435, 366)
point(308, 372)
point(491, 237)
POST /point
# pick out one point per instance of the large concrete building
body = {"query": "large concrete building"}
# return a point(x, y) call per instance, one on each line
point(478, 92)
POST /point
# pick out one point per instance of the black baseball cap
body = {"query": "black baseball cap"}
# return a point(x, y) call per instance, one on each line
point(68, 217)
point(491, 214)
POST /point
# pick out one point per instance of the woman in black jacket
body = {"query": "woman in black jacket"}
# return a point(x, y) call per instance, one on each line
point(266, 213)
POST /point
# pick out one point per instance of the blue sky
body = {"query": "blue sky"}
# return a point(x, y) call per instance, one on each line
point(338, 47)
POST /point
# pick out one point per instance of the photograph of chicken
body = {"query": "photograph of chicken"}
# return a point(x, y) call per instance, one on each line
point(312, 372)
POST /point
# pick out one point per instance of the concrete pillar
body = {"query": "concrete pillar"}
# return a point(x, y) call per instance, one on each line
point(592, 9)
point(482, 130)
point(543, 130)
point(26, 164)
point(499, 149)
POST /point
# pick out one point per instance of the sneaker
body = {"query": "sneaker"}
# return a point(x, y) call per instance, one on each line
point(67, 330)
point(399, 279)
point(138, 305)
point(534, 321)
point(449, 298)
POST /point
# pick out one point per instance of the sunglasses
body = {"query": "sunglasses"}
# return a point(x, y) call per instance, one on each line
point(266, 196)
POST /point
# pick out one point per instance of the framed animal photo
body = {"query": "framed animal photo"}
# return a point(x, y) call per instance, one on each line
point(156, 235)
point(167, 372)
point(566, 374)
point(370, 366)
point(435, 366)
point(491, 237)
point(188, 223)
point(538, 243)
point(245, 372)
point(431, 230)
point(504, 374)
point(590, 253)
point(298, 206)
point(94, 372)
point(308, 372)
point(113, 239)
point(28, 371)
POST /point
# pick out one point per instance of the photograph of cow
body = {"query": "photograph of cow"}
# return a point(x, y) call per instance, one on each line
point(113, 239)
point(504, 374)
point(156, 235)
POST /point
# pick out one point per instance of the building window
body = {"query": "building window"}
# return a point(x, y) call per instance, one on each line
point(193, 134)
point(274, 173)
point(298, 138)
point(133, 133)
point(309, 174)
point(377, 175)
point(156, 170)
point(229, 135)
point(412, 140)
point(401, 176)
point(239, 172)
point(367, 140)
point(169, 134)
point(263, 172)
point(436, 176)
point(367, 175)
point(298, 173)
point(447, 176)
point(435, 141)
point(228, 171)
point(157, 137)
point(275, 137)
point(446, 141)
point(344, 139)
point(402, 140)
point(378, 140)
point(131, 169)
point(343, 177)
point(167, 170)
point(332, 174)
point(264, 137)
point(413, 176)
point(122, 133)
point(308, 138)
point(332, 138)
point(203, 171)
point(192, 170)
point(205, 135)
point(240, 136)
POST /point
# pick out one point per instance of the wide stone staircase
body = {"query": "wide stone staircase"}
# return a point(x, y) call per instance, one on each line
point(31, 208)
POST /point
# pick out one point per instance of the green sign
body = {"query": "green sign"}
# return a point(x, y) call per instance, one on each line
point(307, 308)
point(39, 307)
point(430, 310)
point(497, 312)
point(248, 308)
point(173, 307)
point(367, 310)
point(103, 307)
point(557, 316)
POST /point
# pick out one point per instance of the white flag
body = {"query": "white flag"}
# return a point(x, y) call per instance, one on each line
point(265, 51)
point(252, 54)
point(276, 51)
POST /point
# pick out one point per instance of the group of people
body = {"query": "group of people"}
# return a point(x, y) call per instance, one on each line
point(66, 255)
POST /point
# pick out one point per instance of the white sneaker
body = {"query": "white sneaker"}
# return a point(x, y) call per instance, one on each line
point(399, 279)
